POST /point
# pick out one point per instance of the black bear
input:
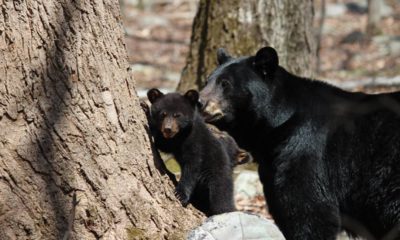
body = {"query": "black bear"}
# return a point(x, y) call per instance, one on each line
point(328, 159)
point(206, 169)
point(236, 154)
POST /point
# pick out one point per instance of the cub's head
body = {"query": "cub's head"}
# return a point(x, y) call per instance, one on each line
point(237, 83)
point(171, 113)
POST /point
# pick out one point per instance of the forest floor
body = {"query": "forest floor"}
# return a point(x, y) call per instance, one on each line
point(158, 37)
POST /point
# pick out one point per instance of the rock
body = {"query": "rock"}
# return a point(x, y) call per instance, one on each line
point(173, 76)
point(354, 37)
point(152, 21)
point(388, 45)
point(394, 47)
point(236, 226)
point(361, 7)
point(147, 70)
point(133, 3)
point(357, 7)
point(381, 39)
point(146, 4)
point(248, 185)
point(335, 10)
point(328, 29)
point(344, 236)
point(142, 93)
point(386, 10)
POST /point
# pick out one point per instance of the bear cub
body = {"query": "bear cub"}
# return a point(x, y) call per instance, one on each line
point(178, 128)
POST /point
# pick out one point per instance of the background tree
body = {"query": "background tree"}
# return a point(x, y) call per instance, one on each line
point(242, 27)
point(374, 16)
point(76, 161)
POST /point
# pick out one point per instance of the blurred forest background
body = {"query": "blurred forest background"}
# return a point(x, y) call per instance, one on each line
point(158, 36)
point(350, 56)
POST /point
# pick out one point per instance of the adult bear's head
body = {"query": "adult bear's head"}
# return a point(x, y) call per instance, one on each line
point(239, 86)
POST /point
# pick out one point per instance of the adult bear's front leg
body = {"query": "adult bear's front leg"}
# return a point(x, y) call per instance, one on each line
point(300, 200)
point(308, 222)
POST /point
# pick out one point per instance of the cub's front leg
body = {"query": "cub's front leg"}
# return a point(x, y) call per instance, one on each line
point(188, 181)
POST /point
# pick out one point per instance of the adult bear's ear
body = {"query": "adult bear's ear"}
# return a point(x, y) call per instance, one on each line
point(192, 96)
point(266, 61)
point(222, 56)
point(154, 94)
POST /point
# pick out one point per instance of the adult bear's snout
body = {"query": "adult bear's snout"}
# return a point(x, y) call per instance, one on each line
point(212, 111)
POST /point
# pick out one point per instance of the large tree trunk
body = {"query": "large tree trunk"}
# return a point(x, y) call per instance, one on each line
point(71, 125)
point(244, 26)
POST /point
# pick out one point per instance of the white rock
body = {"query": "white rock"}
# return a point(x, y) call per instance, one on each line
point(248, 185)
point(394, 48)
point(387, 44)
point(153, 21)
point(142, 93)
point(386, 10)
point(236, 226)
point(335, 10)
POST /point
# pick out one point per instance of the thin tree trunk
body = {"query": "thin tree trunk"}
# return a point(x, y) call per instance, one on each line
point(244, 26)
point(71, 127)
point(374, 16)
point(319, 36)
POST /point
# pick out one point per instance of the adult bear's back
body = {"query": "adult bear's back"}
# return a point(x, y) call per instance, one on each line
point(363, 147)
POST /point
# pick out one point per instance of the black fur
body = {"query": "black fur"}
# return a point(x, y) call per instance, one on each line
point(236, 154)
point(323, 153)
point(206, 177)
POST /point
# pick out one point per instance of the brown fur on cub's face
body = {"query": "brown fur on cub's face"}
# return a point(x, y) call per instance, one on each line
point(169, 127)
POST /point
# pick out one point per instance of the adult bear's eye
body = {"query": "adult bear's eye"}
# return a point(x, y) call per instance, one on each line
point(163, 114)
point(224, 83)
point(176, 115)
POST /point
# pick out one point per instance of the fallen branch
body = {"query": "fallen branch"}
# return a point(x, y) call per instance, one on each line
point(367, 83)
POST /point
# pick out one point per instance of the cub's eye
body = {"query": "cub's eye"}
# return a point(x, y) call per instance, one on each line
point(176, 115)
point(163, 114)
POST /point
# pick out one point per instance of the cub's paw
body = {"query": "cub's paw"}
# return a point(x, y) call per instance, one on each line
point(182, 196)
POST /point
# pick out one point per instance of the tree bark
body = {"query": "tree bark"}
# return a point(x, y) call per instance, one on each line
point(244, 26)
point(76, 160)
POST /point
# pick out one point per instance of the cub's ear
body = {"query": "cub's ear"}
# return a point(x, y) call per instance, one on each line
point(154, 94)
point(192, 96)
point(222, 56)
point(266, 61)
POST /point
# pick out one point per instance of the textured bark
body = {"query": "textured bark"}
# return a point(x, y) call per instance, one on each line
point(71, 125)
point(244, 26)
